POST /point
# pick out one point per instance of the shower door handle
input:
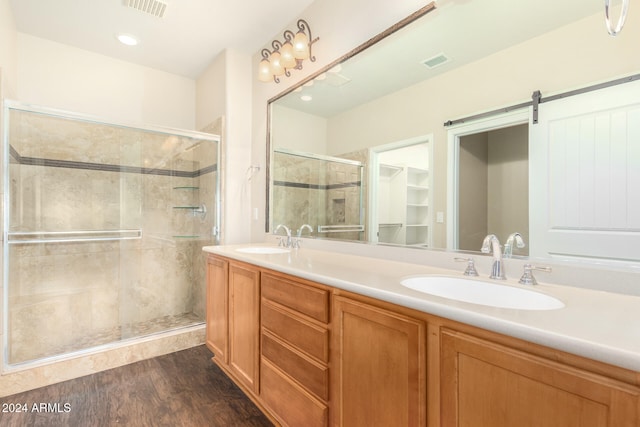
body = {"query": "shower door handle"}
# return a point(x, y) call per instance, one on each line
point(35, 237)
point(201, 211)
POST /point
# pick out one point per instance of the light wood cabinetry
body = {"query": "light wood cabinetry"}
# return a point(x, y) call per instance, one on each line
point(311, 355)
point(484, 384)
point(217, 317)
point(244, 323)
point(378, 366)
point(233, 319)
point(295, 350)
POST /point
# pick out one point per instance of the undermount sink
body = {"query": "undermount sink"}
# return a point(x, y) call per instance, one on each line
point(483, 293)
point(263, 250)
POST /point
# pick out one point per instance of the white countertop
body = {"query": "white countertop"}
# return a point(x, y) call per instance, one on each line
point(599, 325)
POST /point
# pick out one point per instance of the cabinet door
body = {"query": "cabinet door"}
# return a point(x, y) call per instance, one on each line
point(244, 324)
point(217, 326)
point(380, 367)
point(488, 385)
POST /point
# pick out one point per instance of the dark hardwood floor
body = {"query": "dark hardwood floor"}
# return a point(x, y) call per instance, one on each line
point(179, 389)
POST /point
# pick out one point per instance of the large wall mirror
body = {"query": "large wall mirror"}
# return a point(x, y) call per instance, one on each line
point(360, 151)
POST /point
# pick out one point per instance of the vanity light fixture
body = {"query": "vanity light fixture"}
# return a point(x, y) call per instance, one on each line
point(288, 55)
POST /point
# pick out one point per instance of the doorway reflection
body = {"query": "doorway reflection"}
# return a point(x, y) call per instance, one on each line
point(493, 186)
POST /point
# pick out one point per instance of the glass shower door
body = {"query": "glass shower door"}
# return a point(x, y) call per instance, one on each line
point(104, 226)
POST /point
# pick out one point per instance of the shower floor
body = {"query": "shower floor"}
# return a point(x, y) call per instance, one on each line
point(114, 335)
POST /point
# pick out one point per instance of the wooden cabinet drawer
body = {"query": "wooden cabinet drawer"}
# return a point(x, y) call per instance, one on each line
point(310, 338)
point(308, 300)
point(312, 375)
point(293, 405)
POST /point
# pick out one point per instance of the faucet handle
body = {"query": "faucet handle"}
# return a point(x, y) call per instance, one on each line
point(527, 276)
point(471, 266)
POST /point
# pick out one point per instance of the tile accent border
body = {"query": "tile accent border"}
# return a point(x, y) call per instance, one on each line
point(68, 164)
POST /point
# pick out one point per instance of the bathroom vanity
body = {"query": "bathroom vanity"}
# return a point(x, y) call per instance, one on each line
point(317, 338)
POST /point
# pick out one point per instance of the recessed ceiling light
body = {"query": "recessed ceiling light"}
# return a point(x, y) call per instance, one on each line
point(306, 98)
point(127, 39)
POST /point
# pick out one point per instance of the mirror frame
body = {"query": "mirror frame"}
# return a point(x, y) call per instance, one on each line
point(372, 41)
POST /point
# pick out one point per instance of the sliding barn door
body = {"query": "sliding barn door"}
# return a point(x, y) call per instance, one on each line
point(585, 175)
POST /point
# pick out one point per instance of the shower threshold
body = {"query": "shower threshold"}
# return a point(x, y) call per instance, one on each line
point(105, 339)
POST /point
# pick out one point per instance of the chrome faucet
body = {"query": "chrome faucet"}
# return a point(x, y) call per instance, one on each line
point(304, 226)
point(508, 246)
point(296, 242)
point(287, 243)
point(492, 244)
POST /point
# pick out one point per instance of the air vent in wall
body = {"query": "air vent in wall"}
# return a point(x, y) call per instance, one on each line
point(152, 7)
point(435, 61)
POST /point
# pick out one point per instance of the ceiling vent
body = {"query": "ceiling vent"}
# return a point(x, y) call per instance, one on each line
point(436, 61)
point(336, 79)
point(152, 7)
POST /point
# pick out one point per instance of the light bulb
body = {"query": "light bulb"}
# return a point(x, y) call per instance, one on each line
point(276, 63)
point(264, 71)
point(301, 45)
point(286, 55)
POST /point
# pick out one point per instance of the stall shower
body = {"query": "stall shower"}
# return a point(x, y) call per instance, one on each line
point(322, 191)
point(103, 230)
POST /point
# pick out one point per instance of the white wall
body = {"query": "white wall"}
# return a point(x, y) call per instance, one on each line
point(238, 149)
point(8, 36)
point(64, 77)
point(211, 93)
point(570, 57)
point(299, 131)
point(413, 156)
point(224, 90)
